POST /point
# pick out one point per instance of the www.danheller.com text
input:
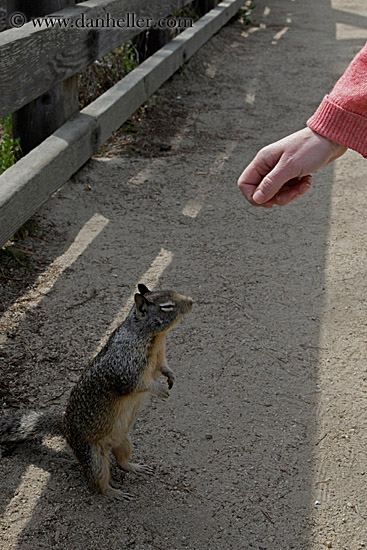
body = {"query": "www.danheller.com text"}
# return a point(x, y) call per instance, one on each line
point(130, 20)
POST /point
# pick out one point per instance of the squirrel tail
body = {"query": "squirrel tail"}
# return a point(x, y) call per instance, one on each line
point(29, 425)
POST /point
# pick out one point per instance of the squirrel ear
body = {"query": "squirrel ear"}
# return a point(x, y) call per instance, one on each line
point(140, 303)
point(143, 289)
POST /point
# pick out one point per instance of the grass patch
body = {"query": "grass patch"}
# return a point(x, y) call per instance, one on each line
point(244, 13)
point(96, 79)
point(28, 229)
point(9, 147)
point(14, 257)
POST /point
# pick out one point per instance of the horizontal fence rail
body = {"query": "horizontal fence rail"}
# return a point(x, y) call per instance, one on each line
point(33, 59)
point(26, 185)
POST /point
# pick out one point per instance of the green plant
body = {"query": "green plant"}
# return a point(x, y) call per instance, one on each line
point(129, 56)
point(105, 72)
point(188, 12)
point(129, 128)
point(183, 69)
point(13, 257)
point(9, 147)
point(244, 13)
point(29, 228)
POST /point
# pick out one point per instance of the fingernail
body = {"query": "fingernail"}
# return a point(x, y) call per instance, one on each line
point(305, 188)
point(258, 196)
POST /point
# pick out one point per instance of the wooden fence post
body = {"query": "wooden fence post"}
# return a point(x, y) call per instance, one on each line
point(203, 6)
point(148, 42)
point(36, 121)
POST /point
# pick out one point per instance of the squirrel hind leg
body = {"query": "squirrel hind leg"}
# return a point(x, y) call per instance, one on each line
point(123, 452)
point(96, 466)
point(137, 468)
point(117, 494)
point(99, 476)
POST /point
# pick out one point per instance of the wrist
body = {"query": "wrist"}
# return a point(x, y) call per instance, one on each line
point(336, 149)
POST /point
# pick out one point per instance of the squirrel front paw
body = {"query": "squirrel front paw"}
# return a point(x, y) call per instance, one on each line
point(164, 393)
point(169, 374)
point(160, 390)
point(170, 379)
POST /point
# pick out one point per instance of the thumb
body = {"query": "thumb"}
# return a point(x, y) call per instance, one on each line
point(273, 182)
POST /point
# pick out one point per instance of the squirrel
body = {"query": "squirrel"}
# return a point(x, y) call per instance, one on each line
point(105, 401)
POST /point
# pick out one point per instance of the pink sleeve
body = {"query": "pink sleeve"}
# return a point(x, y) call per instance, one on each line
point(342, 115)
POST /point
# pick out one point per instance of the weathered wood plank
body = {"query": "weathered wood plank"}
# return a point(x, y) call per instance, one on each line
point(33, 60)
point(147, 43)
point(38, 119)
point(36, 8)
point(121, 101)
point(30, 182)
point(203, 6)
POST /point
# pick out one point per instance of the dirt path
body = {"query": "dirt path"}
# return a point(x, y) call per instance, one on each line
point(262, 444)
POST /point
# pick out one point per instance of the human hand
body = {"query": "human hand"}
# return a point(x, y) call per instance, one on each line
point(281, 172)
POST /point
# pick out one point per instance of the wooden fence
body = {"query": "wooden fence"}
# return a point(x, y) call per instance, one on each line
point(38, 86)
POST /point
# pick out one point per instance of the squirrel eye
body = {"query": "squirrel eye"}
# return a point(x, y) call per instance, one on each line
point(168, 306)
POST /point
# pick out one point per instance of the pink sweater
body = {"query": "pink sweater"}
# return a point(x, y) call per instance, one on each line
point(342, 115)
